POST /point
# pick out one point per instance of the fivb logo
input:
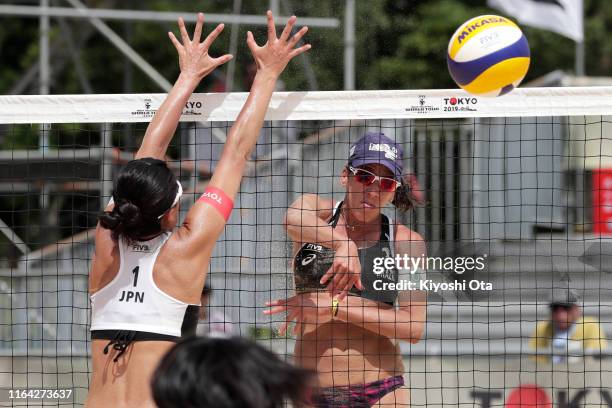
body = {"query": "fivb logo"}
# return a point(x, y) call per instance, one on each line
point(140, 248)
point(390, 152)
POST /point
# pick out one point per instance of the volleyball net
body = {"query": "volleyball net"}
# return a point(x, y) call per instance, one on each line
point(522, 182)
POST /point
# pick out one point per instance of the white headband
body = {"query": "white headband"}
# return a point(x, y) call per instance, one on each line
point(179, 193)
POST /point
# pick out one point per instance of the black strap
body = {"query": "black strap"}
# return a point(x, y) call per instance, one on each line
point(122, 340)
point(190, 321)
point(336, 215)
point(385, 229)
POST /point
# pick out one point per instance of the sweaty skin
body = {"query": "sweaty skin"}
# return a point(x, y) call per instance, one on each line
point(181, 267)
point(361, 343)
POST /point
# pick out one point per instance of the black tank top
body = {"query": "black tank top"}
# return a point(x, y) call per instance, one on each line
point(313, 260)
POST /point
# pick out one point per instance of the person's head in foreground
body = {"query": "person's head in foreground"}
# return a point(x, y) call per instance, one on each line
point(564, 309)
point(146, 197)
point(227, 373)
point(204, 299)
point(373, 177)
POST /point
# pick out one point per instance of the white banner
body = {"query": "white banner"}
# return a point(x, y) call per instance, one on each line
point(564, 17)
point(341, 105)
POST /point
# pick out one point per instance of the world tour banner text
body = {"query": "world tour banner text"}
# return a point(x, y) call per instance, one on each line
point(575, 398)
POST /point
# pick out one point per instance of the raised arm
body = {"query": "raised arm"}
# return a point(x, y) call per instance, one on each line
point(195, 63)
point(306, 221)
point(205, 221)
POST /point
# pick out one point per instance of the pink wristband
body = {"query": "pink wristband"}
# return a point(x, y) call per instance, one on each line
point(219, 200)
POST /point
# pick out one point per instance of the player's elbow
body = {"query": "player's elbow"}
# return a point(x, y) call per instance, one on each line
point(417, 330)
point(294, 216)
point(411, 332)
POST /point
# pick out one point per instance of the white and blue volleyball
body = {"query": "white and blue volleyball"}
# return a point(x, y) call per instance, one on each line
point(488, 56)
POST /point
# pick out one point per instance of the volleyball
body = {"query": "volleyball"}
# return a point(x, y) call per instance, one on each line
point(488, 56)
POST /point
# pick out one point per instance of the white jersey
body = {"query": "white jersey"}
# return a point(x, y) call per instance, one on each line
point(132, 301)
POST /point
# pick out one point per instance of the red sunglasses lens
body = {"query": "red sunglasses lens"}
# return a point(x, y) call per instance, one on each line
point(364, 178)
point(387, 184)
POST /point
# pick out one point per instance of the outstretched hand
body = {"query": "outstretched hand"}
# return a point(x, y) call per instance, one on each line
point(276, 53)
point(194, 58)
point(306, 308)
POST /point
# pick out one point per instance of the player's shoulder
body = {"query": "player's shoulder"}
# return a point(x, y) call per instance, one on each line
point(323, 206)
point(315, 200)
point(589, 321)
point(403, 233)
point(409, 241)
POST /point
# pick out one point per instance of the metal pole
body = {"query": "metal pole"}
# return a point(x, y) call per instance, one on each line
point(44, 76)
point(14, 238)
point(149, 15)
point(313, 84)
point(58, 50)
point(125, 48)
point(349, 45)
point(580, 64)
point(44, 50)
point(231, 65)
point(274, 7)
point(73, 50)
point(580, 59)
point(106, 164)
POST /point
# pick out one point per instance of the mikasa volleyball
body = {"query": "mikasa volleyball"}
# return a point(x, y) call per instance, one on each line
point(488, 56)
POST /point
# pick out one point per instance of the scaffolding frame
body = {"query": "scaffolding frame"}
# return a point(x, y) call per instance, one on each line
point(97, 16)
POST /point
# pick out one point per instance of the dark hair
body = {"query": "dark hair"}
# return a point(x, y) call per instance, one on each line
point(405, 199)
point(227, 373)
point(143, 191)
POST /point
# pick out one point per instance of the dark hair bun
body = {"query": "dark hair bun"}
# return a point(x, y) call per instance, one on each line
point(127, 220)
point(130, 214)
point(144, 190)
point(110, 219)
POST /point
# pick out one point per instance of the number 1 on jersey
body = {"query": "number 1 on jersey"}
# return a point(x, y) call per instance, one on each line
point(135, 272)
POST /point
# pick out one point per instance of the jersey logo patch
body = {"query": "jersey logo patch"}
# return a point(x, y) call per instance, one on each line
point(308, 259)
point(140, 248)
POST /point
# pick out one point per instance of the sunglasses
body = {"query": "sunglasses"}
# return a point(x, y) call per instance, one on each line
point(366, 178)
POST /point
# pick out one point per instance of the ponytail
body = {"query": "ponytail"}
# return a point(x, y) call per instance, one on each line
point(126, 219)
point(405, 198)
